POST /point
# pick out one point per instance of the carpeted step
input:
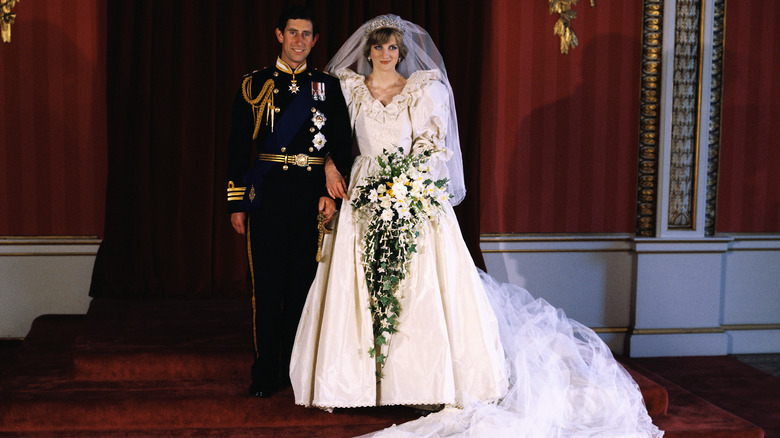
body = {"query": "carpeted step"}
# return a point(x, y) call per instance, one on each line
point(727, 383)
point(164, 339)
point(655, 395)
point(39, 397)
point(175, 406)
point(126, 340)
point(690, 416)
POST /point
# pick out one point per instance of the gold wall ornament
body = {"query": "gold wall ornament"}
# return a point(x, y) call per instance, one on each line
point(562, 27)
point(7, 18)
point(649, 118)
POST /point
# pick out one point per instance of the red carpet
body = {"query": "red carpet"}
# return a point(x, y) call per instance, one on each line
point(180, 368)
point(728, 383)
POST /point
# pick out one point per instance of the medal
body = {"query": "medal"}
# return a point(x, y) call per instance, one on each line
point(319, 141)
point(318, 119)
point(318, 91)
point(294, 86)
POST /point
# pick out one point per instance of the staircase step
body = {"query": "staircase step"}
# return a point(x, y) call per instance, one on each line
point(164, 339)
point(176, 406)
point(690, 416)
point(655, 395)
point(39, 396)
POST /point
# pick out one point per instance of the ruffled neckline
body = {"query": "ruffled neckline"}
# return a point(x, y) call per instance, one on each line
point(356, 89)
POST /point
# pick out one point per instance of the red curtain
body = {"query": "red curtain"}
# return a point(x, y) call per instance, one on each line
point(173, 69)
point(560, 132)
point(52, 122)
point(749, 186)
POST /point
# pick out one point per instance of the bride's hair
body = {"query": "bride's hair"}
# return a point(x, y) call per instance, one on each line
point(381, 36)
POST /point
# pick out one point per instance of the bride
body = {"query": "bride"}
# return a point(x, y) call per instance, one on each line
point(441, 333)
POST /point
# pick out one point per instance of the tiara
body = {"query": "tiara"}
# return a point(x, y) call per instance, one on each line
point(382, 21)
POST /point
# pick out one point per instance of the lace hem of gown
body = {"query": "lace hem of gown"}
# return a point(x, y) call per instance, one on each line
point(410, 403)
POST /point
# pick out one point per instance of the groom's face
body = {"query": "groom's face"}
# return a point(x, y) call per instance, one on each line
point(297, 39)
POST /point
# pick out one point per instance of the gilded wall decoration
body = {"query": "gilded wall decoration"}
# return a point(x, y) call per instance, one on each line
point(649, 118)
point(563, 27)
point(7, 18)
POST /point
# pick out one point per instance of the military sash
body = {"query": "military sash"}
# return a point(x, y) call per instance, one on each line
point(285, 129)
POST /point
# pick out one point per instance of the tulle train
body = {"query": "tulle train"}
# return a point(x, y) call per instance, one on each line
point(563, 382)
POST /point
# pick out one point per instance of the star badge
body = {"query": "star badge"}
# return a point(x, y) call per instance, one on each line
point(319, 141)
point(294, 87)
point(318, 119)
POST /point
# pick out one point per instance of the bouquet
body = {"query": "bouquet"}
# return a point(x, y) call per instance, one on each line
point(395, 201)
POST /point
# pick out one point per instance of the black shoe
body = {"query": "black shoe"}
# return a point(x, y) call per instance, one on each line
point(259, 391)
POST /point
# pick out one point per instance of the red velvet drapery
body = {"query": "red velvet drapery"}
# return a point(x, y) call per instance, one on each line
point(52, 120)
point(561, 131)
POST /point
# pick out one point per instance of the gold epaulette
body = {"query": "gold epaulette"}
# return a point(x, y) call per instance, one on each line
point(235, 193)
point(262, 104)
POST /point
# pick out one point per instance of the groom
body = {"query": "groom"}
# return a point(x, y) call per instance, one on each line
point(296, 118)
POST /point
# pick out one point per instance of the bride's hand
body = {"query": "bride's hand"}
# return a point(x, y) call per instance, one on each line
point(337, 187)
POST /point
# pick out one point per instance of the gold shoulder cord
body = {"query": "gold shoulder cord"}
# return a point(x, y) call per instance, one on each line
point(263, 102)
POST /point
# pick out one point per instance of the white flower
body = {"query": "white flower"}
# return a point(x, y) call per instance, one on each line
point(418, 188)
point(387, 215)
point(381, 189)
point(385, 202)
point(400, 190)
point(403, 210)
point(401, 179)
point(372, 195)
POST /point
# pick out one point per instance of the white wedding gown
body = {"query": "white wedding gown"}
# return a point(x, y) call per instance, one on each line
point(501, 362)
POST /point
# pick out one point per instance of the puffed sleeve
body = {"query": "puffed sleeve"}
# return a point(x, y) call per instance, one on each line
point(429, 113)
point(353, 87)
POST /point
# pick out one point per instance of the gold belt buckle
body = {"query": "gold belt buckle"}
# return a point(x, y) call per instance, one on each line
point(301, 160)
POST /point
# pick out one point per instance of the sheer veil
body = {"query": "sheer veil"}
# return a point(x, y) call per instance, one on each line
point(422, 55)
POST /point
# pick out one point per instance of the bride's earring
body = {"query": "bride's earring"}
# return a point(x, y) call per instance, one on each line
point(369, 59)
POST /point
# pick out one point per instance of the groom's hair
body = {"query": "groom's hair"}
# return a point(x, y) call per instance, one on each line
point(297, 12)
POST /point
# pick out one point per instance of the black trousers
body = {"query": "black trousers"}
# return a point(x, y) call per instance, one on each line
point(283, 236)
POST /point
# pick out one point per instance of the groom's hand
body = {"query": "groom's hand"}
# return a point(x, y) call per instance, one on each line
point(327, 207)
point(238, 220)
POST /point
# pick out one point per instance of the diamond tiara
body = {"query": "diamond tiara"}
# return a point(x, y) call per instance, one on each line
point(385, 21)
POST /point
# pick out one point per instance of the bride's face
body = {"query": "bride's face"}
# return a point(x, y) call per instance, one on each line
point(384, 57)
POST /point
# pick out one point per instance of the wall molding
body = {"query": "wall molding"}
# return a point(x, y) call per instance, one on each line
point(675, 295)
point(43, 275)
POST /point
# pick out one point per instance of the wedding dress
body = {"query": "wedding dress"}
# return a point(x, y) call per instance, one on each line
point(501, 362)
point(447, 345)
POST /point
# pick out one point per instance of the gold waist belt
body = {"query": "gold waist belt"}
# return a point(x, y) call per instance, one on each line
point(300, 160)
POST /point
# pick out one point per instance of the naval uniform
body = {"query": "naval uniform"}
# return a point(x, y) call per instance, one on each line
point(280, 192)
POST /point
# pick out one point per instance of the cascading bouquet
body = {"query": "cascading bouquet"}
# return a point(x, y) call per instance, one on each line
point(395, 201)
